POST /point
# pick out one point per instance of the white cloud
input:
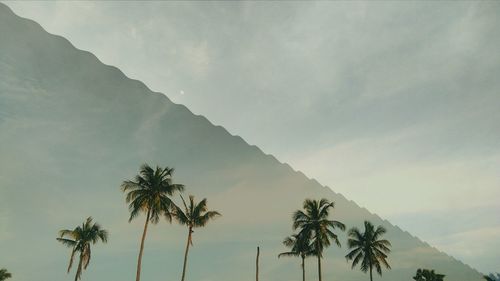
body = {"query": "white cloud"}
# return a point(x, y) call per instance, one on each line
point(198, 58)
point(459, 244)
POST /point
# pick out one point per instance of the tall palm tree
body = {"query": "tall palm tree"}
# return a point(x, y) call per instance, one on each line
point(368, 248)
point(4, 274)
point(314, 223)
point(299, 247)
point(150, 193)
point(79, 240)
point(428, 275)
point(194, 215)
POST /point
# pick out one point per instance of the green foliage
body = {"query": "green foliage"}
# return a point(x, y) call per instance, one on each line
point(194, 214)
point(79, 240)
point(428, 275)
point(150, 192)
point(299, 245)
point(368, 249)
point(313, 222)
point(4, 274)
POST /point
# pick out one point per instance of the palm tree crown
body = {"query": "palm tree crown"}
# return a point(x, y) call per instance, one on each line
point(150, 193)
point(368, 249)
point(4, 274)
point(299, 246)
point(428, 275)
point(194, 215)
point(315, 224)
point(80, 240)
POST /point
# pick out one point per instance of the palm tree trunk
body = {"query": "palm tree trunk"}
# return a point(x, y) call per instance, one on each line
point(303, 269)
point(318, 253)
point(319, 267)
point(186, 253)
point(139, 259)
point(371, 276)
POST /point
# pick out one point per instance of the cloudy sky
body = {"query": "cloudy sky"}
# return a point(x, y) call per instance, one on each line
point(394, 105)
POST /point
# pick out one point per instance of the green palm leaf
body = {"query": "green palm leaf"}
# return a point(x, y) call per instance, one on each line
point(4, 274)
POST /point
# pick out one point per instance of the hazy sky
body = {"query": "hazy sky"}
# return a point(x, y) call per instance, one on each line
point(380, 101)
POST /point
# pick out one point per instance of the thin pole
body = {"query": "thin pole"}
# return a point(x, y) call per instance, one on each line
point(257, 265)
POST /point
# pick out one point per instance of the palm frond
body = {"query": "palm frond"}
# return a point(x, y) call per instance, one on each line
point(288, 254)
point(67, 242)
point(86, 256)
point(68, 232)
point(4, 274)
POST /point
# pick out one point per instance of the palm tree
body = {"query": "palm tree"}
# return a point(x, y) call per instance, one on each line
point(150, 193)
point(79, 240)
point(194, 215)
point(4, 274)
point(299, 247)
point(368, 248)
point(313, 222)
point(428, 275)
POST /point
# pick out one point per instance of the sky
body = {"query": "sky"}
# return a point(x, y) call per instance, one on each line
point(377, 100)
